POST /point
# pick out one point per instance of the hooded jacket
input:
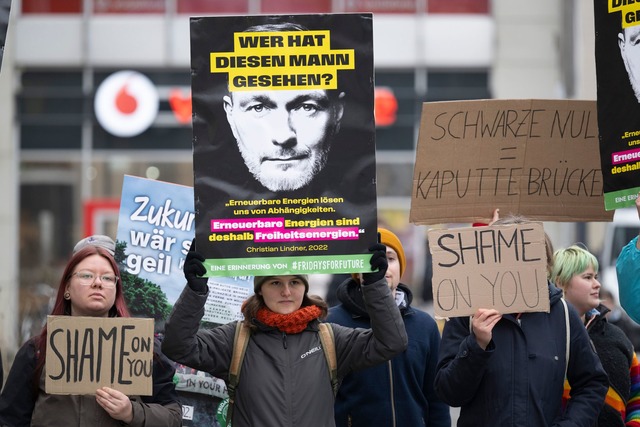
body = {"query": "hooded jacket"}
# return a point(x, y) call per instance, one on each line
point(21, 407)
point(285, 380)
point(399, 392)
point(628, 270)
point(518, 380)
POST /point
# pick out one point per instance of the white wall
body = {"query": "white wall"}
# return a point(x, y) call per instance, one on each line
point(400, 41)
point(527, 62)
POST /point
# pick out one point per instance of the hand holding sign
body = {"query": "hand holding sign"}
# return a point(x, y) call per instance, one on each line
point(483, 322)
point(194, 269)
point(378, 263)
point(116, 403)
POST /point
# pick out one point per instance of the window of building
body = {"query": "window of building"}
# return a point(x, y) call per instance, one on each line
point(50, 109)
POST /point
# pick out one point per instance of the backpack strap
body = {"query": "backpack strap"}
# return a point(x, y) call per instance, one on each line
point(567, 329)
point(240, 342)
point(329, 348)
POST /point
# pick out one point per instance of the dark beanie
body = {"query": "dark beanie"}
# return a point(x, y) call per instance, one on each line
point(259, 280)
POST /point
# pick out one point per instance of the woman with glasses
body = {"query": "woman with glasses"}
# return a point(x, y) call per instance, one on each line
point(89, 286)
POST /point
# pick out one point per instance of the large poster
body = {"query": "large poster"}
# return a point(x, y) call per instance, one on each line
point(618, 75)
point(156, 225)
point(283, 143)
point(155, 229)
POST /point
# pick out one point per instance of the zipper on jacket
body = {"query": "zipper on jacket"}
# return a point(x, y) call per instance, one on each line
point(284, 340)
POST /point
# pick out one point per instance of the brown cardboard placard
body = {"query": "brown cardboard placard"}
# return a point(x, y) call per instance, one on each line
point(86, 353)
point(502, 267)
point(537, 158)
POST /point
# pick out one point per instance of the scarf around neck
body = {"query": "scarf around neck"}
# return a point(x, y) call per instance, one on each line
point(292, 323)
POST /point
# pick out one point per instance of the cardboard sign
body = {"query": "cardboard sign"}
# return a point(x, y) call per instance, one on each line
point(86, 353)
point(283, 143)
point(537, 158)
point(501, 267)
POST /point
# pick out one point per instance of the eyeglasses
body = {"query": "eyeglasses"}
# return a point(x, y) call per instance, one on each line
point(87, 278)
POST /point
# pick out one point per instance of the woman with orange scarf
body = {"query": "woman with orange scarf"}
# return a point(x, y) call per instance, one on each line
point(285, 378)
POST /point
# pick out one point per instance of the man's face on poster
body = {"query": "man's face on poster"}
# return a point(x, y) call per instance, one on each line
point(629, 43)
point(284, 136)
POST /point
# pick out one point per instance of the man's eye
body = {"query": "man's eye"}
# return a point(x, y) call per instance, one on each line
point(258, 108)
point(309, 107)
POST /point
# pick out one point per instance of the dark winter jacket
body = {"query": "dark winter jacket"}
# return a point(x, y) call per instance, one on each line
point(284, 380)
point(616, 354)
point(518, 380)
point(19, 406)
point(399, 392)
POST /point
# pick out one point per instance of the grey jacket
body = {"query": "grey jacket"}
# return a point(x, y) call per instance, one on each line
point(284, 380)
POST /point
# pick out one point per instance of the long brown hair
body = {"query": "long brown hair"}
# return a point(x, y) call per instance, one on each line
point(255, 302)
point(62, 306)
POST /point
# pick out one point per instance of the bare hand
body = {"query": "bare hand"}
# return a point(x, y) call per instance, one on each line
point(483, 322)
point(496, 216)
point(116, 403)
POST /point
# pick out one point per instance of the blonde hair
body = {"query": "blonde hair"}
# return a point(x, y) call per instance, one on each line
point(569, 262)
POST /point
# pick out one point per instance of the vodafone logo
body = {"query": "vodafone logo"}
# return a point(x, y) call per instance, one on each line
point(126, 103)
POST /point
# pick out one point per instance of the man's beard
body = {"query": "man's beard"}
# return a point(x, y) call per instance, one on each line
point(283, 180)
point(635, 85)
point(634, 78)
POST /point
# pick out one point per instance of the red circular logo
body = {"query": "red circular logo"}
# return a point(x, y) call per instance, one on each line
point(126, 103)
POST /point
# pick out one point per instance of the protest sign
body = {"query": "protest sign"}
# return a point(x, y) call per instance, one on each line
point(155, 230)
point(617, 27)
point(537, 158)
point(283, 143)
point(156, 225)
point(502, 267)
point(86, 353)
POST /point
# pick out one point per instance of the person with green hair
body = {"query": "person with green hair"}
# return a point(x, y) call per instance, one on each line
point(575, 271)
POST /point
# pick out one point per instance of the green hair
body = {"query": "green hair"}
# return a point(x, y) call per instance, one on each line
point(569, 262)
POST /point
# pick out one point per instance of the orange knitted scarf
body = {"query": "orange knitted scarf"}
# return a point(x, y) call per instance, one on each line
point(291, 323)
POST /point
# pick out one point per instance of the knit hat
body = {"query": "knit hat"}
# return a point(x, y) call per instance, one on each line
point(390, 240)
point(259, 280)
point(99, 240)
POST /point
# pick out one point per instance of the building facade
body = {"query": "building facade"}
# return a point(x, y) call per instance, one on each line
point(65, 170)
